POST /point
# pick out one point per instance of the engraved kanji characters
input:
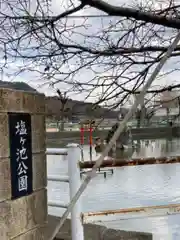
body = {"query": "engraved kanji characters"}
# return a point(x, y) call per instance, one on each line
point(21, 156)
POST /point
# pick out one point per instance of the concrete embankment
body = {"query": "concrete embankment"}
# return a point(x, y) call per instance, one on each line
point(95, 232)
point(137, 133)
point(63, 138)
point(155, 132)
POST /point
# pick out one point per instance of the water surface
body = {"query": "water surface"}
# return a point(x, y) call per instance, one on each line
point(129, 187)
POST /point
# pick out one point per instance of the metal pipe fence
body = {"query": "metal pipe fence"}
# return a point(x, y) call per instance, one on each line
point(131, 213)
point(73, 152)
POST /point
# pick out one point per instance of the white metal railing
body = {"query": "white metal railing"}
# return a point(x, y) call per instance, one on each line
point(78, 218)
point(57, 204)
point(56, 151)
point(73, 153)
point(54, 178)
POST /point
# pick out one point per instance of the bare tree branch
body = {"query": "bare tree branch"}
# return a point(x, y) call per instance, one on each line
point(133, 13)
point(107, 60)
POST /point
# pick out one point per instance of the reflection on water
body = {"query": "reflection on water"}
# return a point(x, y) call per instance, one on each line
point(130, 187)
point(151, 148)
point(163, 147)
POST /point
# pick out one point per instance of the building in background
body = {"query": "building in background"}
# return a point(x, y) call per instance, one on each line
point(160, 107)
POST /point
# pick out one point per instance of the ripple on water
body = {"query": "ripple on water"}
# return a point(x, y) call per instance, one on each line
point(129, 187)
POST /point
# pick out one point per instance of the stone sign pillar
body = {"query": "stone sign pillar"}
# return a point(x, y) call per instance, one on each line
point(23, 179)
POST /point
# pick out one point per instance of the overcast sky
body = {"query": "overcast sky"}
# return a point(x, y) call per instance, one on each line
point(95, 25)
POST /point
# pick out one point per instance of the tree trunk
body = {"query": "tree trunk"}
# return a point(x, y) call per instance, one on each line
point(138, 118)
point(62, 122)
point(167, 115)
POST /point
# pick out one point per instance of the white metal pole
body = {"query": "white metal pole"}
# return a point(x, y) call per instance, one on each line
point(74, 155)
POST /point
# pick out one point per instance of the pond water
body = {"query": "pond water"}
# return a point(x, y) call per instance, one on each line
point(129, 187)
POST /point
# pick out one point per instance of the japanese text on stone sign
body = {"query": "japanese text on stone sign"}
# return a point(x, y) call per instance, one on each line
point(21, 156)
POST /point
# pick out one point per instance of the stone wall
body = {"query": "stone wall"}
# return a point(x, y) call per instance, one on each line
point(23, 218)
